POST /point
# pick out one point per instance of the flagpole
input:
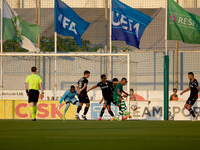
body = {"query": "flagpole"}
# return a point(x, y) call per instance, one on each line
point(110, 36)
point(166, 27)
point(166, 70)
point(1, 49)
point(1, 26)
point(55, 48)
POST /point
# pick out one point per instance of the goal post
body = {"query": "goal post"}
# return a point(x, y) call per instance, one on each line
point(61, 70)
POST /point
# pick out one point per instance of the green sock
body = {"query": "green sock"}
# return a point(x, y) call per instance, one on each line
point(32, 112)
point(35, 110)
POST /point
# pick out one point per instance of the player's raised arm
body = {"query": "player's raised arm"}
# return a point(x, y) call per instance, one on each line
point(94, 87)
point(185, 90)
point(116, 82)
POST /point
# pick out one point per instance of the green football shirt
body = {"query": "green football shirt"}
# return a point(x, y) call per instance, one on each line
point(118, 87)
point(33, 80)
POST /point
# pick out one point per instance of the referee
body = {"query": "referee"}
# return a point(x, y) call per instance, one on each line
point(32, 86)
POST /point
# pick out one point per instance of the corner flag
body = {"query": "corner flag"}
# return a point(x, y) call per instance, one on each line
point(16, 29)
point(128, 24)
point(182, 25)
point(68, 23)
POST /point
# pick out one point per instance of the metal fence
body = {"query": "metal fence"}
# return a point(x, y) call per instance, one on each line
point(146, 64)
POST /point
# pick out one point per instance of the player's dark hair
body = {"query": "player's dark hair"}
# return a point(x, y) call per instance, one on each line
point(191, 73)
point(131, 90)
point(33, 69)
point(174, 89)
point(72, 87)
point(102, 76)
point(86, 72)
point(123, 79)
point(115, 79)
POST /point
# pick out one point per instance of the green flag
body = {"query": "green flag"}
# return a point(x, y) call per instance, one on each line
point(182, 25)
point(16, 29)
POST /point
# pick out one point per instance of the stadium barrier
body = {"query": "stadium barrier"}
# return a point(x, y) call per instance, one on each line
point(19, 109)
point(93, 95)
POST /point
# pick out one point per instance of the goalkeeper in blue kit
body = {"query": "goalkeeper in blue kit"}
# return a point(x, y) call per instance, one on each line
point(68, 97)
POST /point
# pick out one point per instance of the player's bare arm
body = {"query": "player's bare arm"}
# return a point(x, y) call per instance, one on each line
point(101, 100)
point(118, 92)
point(94, 87)
point(185, 91)
point(125, 94)
point(77, 89)
point(116, 82)
point(41, 87)
point(26, 87)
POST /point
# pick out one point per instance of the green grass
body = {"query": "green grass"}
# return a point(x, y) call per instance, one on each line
point(93, 135)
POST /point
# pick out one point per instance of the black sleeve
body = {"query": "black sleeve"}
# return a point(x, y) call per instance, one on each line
point(125, 92)
point(86, 81)
point(110, 84)
point(98, 85)
point(196, 83)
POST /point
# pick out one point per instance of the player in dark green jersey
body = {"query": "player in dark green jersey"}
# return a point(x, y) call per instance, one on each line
point(118, 98)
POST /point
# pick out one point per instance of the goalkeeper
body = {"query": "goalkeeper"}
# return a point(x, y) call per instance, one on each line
point(118, 98)
point(69, 97)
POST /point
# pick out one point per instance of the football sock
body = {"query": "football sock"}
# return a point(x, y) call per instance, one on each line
point(123, 108)
point(66, 108)
point(120, 113)
point(32, 112)
point(102, 112)
point(79, 109)
point(192, 112)
point(85, 111)
point(35, 110)
point(111, 113)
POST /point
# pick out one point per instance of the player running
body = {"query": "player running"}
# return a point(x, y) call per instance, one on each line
point(118, 93)
point(32, 86)
point(194, 89)
point(81, 88)
point(69, 97)
point(106, 87)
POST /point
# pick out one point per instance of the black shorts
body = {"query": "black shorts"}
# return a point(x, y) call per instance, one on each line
point(33, 96)
point(108, 100)
point(191, 100)
point(83, 98)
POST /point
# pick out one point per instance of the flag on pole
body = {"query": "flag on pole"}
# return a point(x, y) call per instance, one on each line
point(182, 25)
point(16, 29)
point(68, 23)
point(128, 24)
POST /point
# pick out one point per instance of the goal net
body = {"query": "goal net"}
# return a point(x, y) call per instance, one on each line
point(58, 72)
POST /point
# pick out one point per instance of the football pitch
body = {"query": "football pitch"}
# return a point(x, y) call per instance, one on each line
point(103, 135)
